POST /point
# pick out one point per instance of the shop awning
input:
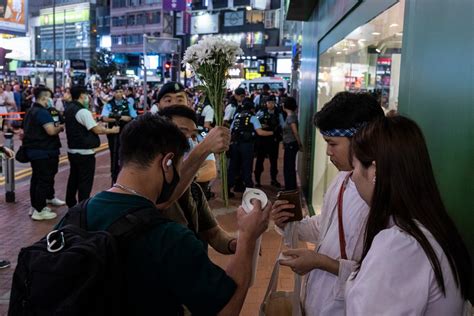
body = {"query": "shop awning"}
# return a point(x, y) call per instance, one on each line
point(300, 10)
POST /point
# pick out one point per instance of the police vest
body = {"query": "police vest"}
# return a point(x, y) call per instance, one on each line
point(117, 109)
point(199, 117)
point(262, 104)
point(243, 130)
point(270, 121)
point(35, 136)
point(78, 137)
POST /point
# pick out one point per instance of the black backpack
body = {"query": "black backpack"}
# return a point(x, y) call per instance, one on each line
point(73, 271)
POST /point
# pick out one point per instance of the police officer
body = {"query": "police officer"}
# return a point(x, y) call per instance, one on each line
point(234, 107)
point(261, 99)
point(205, 115)
point(41, 143)
point(171, 93)
point(244, 130)
point(118, 112)
point(82, 133)
point(271, 119)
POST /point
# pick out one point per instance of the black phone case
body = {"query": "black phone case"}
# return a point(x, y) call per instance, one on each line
point(293, 197)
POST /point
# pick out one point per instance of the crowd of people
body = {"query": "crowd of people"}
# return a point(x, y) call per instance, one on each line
point(385, 244)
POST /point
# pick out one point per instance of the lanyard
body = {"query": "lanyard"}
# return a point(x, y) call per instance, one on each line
point(340, 199)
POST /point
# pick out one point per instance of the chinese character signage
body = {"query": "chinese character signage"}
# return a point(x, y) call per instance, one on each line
point(174, 5)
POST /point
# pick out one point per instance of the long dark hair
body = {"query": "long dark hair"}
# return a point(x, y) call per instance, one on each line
point(406, 191)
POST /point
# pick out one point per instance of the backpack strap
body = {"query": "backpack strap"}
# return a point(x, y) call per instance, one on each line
point(135, 222)
point(77, 215)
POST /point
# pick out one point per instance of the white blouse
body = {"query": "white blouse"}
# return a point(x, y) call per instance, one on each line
point(396, 278)
point(323, 293)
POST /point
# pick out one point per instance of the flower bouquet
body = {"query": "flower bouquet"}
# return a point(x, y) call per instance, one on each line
point(210, 60)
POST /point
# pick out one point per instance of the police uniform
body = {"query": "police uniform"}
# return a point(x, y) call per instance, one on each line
point(267, 146)
point(243, 133)
point(203, 113)
point(116, 109)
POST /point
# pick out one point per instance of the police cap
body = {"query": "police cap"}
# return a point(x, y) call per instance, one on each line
point(169, 87)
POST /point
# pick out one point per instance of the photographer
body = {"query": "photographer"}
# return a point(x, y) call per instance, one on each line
point(117, 112)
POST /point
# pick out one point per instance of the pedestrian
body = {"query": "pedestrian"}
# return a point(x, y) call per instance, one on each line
point(271, 119)
point(244, 130)
point(192, 209)
point(414, 261)
point(337, 253)
point(82, 133)
point(292, 143)
point(41, 143)
point(167, 267)
point(117, 112)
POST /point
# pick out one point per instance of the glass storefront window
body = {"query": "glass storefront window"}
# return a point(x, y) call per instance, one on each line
point(367, 60)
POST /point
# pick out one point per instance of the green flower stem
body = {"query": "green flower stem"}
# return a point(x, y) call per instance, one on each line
point(213, 78)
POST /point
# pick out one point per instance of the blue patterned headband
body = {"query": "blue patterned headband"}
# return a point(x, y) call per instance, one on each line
point(343, 132)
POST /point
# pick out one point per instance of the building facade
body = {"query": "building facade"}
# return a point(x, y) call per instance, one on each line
point(256, 25)
point(130, 20)
point(415, 58)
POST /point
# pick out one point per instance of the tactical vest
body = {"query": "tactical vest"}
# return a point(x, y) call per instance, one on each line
point(262, 105)
point(78, 137)
point(199, 117)
point(270, 121)
point(243, 130)
point(118, 108)
point(35, 136)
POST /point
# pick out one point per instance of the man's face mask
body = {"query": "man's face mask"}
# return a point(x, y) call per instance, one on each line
point(50, 103)
point(168, 188)
point(86, 102)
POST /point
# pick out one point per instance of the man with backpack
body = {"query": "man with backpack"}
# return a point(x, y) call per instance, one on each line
point(160, 264)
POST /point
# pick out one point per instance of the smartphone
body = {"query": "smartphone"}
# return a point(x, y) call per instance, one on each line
point(293, 197)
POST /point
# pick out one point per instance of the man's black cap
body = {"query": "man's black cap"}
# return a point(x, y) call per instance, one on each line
point(239, 91)
point(169, 87)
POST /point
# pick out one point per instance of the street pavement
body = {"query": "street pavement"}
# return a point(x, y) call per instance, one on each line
point(17, 230)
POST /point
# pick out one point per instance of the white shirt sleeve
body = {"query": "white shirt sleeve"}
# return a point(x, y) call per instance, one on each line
point(229, 112)
point(394, 278)
point(309, 229)
point(85, 118)
point(208, 113)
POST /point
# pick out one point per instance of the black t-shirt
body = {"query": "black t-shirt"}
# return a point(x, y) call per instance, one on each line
point(166, 267)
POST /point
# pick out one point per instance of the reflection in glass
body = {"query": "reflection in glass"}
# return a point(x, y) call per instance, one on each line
point(367, 60)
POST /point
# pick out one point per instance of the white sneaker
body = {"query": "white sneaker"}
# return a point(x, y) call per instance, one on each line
point(56, 202)
point(45, 214)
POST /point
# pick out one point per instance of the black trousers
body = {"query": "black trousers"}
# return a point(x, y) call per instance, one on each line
point(81, 178)
point(241, 162)
point(114, 148)
point(266, 148)
point(42, 181)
